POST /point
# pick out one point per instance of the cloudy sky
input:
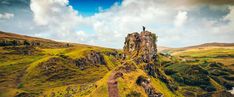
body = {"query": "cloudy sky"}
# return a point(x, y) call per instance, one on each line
point(178, 23)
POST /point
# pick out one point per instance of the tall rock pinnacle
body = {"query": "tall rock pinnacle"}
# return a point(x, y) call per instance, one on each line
point(143, 44)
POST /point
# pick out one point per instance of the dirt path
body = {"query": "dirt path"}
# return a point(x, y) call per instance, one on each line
point(113, 84)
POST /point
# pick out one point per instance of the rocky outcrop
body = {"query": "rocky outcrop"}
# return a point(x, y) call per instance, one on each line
point(22, 50)
point(154, 71)
point(92, 58)
point(132, 42)
point(95, 58)
point(145, 83)
point(142, 48)
point(5, 42)
point(143, 44)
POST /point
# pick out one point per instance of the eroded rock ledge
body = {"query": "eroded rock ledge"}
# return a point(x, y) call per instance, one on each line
point(93, 58)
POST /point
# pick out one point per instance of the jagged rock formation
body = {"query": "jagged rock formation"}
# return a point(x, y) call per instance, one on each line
point(142, 49)
point(145, 83)
point(143, 44)
point(93, 58)
point(154, 71)
point(23, 50)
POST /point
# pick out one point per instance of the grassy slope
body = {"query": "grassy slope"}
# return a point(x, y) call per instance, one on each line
point(24, 69)
point(204, 53)
point(223, 55)
point(127, 84)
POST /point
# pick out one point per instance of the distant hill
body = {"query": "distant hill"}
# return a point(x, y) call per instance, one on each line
point(11, 39)
point(8, 35)
point(205, 45)
point(218, 52)
point(162, 48)
point(213, 44)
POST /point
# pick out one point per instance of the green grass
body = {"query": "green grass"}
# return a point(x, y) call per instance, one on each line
point(111, 62)
point(66, 74)
point(54, 51)
point(209, 52)
point(127, 84)
point(38, 74)
point(208, 58)
point(102, 88)
point(16, 59)
point(80, 51)
point(161, 87)
point(28, 72)
point(32, 66)
point(12, 69)
point(222, 54)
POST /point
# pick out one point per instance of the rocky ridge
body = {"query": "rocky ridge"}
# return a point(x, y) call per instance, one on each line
point(142, 49)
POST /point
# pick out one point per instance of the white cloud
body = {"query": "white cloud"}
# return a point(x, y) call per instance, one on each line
point(6, 16)
point(47, 12)
point(113, 25)
point(109, 27)
point(181, 18)
point(59, 19)
point(161, 19)
point(230, 18)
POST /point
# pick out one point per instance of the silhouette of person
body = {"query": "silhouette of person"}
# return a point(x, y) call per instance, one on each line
point(143, 28)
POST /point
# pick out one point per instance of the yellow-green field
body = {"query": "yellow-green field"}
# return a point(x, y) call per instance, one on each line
point(223, 55)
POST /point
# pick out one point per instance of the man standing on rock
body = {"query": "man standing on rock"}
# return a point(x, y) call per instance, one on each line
point(143, 28)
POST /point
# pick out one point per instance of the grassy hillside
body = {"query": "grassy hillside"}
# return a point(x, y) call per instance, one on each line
point(27, 69)
point(39, 67)
point(52, 70)
point(206, 67)
point(11, 39)
point(222, 53)
point(49, 68)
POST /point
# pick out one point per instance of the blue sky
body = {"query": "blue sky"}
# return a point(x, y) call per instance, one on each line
point(177, 23)
point(90, 7)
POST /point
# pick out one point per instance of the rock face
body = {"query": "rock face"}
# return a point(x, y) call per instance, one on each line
point(93, 58)
point(145, 83)
point(132, 42)
point(142, 49)
point(144, 44)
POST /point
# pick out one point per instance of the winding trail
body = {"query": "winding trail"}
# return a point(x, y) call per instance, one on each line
point(113, 85)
